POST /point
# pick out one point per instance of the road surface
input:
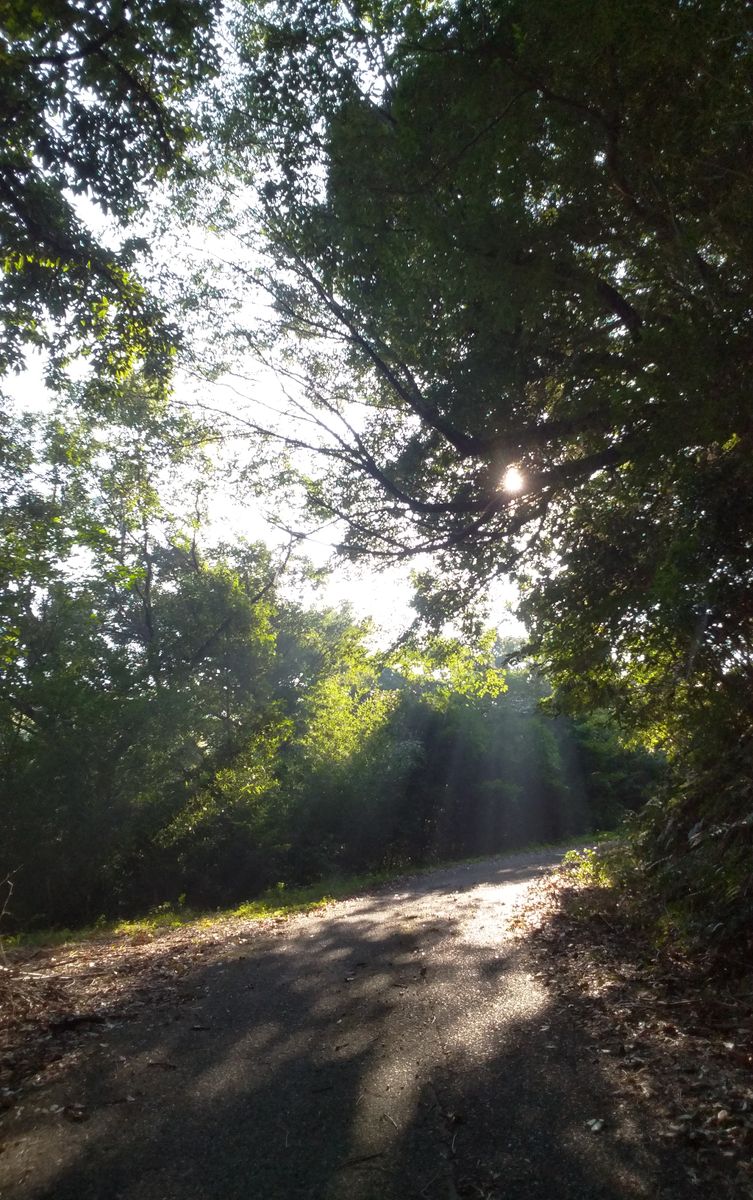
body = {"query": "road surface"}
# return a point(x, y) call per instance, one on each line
point(398, 1047)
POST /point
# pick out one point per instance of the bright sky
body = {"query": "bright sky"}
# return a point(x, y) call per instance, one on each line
point(384, 595)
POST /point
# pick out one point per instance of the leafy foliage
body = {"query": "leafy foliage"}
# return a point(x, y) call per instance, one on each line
point(518, 235)
point(94, 104)
point(493, 236)
point(171, 724)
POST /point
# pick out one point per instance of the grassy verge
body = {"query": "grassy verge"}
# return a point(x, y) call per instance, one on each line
point(280, 901)
point(277, 902)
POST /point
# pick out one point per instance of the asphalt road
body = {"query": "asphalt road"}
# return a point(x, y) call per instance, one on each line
point(398, 1047)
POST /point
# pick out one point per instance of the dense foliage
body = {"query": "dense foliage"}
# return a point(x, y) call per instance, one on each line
point(171, 723)
point(500, 254)
point(94, 104)
point(518, 235)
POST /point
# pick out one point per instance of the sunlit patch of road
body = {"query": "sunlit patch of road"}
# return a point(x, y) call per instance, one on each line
point(397, 1046)
point(455, 992)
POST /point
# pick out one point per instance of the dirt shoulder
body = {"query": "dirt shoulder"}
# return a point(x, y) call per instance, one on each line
point(678, 1027)
point(52, 996)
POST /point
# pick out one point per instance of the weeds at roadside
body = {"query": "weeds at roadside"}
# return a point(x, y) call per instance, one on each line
point(277, 902)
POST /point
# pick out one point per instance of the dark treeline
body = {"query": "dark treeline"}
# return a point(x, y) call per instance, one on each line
point(173, 725)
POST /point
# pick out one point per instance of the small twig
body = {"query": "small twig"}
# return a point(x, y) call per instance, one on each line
point(426, 1186)
point(8, 884)
point(362, 1158)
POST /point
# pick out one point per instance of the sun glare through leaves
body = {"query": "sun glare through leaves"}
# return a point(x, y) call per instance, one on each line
point(513, 480)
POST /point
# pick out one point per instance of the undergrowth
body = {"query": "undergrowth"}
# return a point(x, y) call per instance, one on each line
point(662, 901)
point(277, 902)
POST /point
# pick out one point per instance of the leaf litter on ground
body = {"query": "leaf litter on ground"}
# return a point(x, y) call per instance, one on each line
point(51, 998)
point(677, 1024)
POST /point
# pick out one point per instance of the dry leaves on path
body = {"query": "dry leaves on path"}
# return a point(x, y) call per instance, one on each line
point(52, 997)
point(679, 1028)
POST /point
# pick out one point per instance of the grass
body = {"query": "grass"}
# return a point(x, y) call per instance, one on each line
point(613, 887)
point(277, 902)
point(598, 868)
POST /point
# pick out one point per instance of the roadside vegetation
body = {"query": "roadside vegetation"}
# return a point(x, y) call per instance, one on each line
point(476, 283)
point(183, 728)
point(277, 902)
point(668, 1005)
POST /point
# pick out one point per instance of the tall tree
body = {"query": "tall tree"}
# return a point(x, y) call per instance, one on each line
point(135, 666)
point(517, 236)
point(525, 249)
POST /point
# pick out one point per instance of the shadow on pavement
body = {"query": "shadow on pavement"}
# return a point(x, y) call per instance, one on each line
point(392, 1049)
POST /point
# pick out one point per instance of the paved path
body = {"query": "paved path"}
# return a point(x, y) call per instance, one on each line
point(398, 1047)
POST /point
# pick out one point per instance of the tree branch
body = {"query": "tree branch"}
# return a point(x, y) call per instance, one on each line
point(93, 46)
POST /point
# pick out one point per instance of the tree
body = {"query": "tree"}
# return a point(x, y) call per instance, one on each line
point(135, 666)
point(518, 274)
point(171, 725)
point(95, 104)
point(518, 236)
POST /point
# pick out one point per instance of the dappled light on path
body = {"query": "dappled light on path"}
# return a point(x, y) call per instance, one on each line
point(397, 1046)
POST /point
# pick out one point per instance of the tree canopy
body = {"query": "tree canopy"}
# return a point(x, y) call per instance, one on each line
point(516, 236)
point(500, 256)
point(95, 105)
point(516, 233)
point(172, 723)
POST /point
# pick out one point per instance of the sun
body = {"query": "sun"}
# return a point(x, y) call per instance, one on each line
point(513, 480)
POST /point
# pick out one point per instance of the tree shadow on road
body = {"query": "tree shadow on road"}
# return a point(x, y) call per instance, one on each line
point(396, 1048)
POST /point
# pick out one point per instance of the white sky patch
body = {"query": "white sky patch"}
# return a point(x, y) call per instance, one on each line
point(27, 389)
point(252, 391)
